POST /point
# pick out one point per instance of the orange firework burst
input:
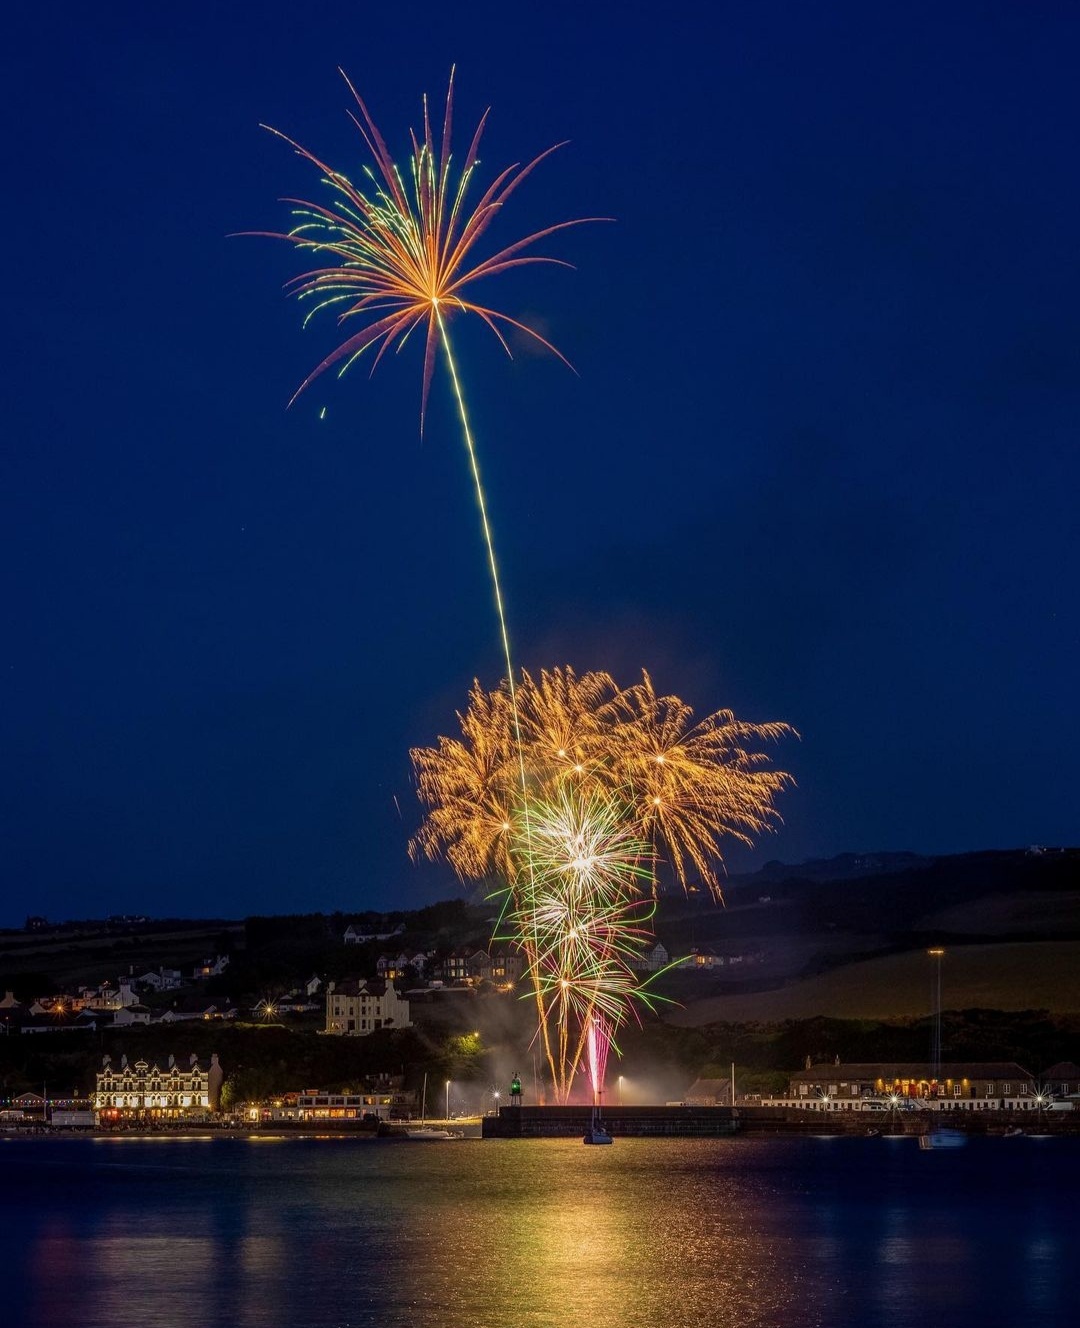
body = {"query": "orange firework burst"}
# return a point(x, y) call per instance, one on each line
point(400, 256)
point(688, 784)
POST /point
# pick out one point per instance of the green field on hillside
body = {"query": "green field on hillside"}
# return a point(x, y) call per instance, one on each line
point(1042, 975)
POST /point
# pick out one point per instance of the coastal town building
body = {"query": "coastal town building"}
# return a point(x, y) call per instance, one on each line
point(58, 1021)
point(210, 968)
point(360, 1006)
point(708, 1093)
point(504, 966)
point(355, 935)
point(110, 997)
point(186, 1008)
point(142, 1091)
point(966, 1082)
point(160, 979)
point(132, 1014)
point(652, 960)
point(1061, 1080)
point(701, 958)
point(383, 1098)
point(393, 966)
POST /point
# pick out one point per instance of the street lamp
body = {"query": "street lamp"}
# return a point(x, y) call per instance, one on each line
point(495, 1095)
point(937, 953)
point(620, 1090)
point(447, 1099)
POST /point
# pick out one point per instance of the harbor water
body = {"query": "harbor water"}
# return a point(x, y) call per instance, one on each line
point(312, 1232)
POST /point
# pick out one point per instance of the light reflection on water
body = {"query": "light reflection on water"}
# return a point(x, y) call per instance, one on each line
point(324, 1233)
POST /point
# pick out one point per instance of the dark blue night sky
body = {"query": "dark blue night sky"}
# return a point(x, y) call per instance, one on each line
point(819, 465)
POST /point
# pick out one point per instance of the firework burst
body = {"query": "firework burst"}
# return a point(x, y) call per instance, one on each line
point(686, 785)
point(396, 253)
point(578, 910)
point(619, 781)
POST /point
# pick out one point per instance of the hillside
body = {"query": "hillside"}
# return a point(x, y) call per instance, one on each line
point(1021, 975)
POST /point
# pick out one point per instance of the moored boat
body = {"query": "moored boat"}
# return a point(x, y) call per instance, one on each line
point(942, 1138)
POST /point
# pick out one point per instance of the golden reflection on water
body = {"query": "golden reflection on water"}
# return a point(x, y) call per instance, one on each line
point(593, 1241)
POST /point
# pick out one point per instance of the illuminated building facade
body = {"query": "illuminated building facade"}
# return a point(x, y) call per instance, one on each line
point(142, 1091)
point(383, 1099)
point(979, 1081)
point(357, 1008)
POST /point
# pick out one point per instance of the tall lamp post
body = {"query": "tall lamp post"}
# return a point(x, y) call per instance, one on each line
point(447, 1117)
point(937, 955)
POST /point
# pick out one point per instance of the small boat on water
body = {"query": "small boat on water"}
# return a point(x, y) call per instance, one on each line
point(1013, 1132)
point(424, 1133)
point(942, 1138)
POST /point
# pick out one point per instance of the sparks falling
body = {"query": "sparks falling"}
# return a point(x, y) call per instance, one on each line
point(623, 784)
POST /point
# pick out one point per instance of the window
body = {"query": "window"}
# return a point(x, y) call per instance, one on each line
point(1006, 1089)
point(956, 1090)
point(989, 1090)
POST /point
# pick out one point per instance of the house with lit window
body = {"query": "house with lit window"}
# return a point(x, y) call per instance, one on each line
point(464, 964)
point(699, 958)
point(394, 966)
point(110, 997)
point(210, 968)
point(507, 965)
point(360, 1006)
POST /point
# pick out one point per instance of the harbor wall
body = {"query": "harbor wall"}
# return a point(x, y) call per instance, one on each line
point(704, 1122)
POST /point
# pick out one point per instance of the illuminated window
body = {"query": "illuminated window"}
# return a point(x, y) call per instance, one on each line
point(956, 1090)
point(989, 1090)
